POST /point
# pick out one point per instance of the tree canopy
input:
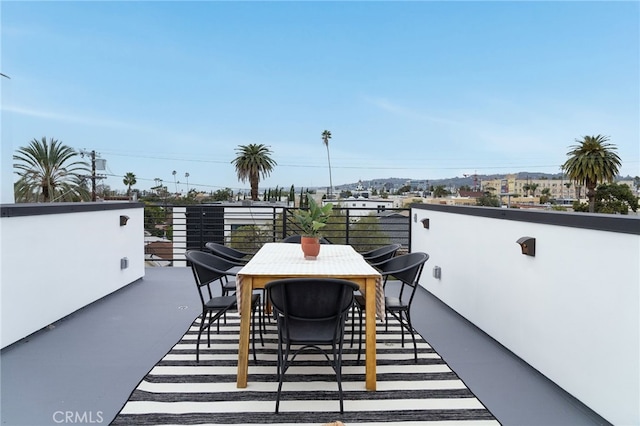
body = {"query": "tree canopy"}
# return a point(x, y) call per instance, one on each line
point(49, 171)
point(592, 160)
point(253, 161)
point(613, 198)
point(129, 180)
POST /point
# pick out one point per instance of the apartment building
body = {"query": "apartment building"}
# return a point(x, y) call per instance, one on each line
point(559, 189)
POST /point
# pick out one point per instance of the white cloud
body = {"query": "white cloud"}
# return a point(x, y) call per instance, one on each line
point(406, 112)
point(69, 117)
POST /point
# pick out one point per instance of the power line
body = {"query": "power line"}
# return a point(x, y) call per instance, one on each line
point(404, 167)
point(313, 166)
point(471, 164)
point(191, 184)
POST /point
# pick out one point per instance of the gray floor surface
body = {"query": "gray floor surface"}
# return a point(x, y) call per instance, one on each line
point(82, 369)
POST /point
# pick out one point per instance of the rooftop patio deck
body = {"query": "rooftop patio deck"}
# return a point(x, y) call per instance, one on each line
point(89, 362)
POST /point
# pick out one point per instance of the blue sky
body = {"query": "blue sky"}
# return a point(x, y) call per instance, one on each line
point(419, 90)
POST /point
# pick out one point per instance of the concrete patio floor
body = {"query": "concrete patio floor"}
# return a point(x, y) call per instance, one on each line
point(86, 365)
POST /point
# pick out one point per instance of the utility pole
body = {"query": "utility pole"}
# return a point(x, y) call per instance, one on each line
point(93, 176)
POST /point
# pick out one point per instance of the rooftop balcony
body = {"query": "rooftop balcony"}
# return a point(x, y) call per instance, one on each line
point(545, 339)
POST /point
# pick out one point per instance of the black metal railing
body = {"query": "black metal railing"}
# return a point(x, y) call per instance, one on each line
point(174, 229)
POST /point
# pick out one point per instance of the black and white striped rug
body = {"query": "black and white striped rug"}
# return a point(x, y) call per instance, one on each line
point(177, 391)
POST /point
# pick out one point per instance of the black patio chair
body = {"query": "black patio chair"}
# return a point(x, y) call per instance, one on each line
point(235, 259)
point(373, 257)
point(407, 269)
point(381, 253)
point(228, 253)
point(227, 270)
point(206, 273)
point(226, 261)
point(310, 312)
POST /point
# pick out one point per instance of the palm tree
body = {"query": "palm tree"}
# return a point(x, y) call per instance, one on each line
point(440, 191)
point(174, 181)
point(326, 135)
point(129, 180)
point(49, 172)
point(253, 161)
point(592, 160)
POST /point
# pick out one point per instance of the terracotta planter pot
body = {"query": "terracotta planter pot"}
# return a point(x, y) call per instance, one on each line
point(310, 247)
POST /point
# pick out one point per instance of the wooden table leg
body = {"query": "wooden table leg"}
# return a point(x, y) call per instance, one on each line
point(370, 321)
point(245, 326)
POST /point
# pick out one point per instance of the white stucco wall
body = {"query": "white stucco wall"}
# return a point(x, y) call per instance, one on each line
point(572, 311)
point(54, 264)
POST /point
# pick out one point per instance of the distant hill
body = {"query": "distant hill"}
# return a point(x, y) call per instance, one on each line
point(394, 183)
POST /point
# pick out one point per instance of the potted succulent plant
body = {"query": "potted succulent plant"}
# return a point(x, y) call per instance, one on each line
point(311, 222)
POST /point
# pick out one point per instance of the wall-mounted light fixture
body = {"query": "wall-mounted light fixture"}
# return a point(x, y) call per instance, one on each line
point(437, 272)
point(425, 223)
point(528, 245)
point(123, 220)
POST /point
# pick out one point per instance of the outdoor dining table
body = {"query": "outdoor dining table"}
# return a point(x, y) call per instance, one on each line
point(282, 260)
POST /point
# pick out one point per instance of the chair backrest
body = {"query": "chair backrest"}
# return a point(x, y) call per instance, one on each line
point(406, 268)
point(296, 239)
point(219, 264)
point(382, 253)
point(312, 299)
point(291, 239)
point(204, 266)
point(227, 253)
point(204, 272)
